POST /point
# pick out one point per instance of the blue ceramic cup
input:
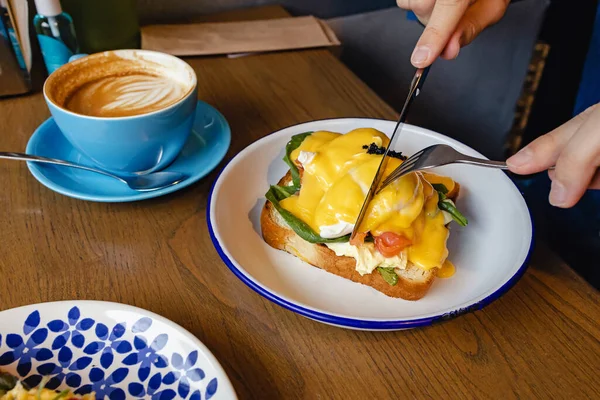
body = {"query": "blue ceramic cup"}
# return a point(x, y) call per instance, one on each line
point(139, 135)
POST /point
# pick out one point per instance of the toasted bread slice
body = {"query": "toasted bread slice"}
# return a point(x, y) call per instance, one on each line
point(413, 282)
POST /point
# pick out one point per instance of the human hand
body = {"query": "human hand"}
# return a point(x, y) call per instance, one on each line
point(450, 25)
point(574, 148)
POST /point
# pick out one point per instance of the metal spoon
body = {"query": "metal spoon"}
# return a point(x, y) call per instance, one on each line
point(142, 183)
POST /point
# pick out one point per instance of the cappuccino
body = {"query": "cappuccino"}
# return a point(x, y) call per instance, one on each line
point(125, 95)
point(128, 112)
point(118, 84)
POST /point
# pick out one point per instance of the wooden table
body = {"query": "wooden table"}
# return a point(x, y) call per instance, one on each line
point(540, 340)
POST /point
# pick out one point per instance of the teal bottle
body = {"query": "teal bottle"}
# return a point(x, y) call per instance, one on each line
point(56, 34)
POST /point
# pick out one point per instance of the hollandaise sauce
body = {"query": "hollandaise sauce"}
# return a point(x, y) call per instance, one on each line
point(337, 172)
point(447, 270)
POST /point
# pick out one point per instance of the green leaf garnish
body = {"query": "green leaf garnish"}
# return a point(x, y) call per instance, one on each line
point(301, 228)
point(292, 145)
point(283, 192)
point(388, 275)
point(446, 205)
point(440, 187)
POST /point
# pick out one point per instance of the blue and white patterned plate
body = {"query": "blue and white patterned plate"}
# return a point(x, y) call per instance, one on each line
point(114, 350)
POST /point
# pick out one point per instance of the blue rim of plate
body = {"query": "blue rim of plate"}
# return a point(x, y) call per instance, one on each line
point(36, 170)
point(356, 323)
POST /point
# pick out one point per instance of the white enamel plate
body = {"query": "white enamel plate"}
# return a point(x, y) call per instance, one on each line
point(490, 254)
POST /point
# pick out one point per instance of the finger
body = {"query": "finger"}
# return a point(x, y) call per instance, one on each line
point(479, 16)
point(543, 152)
point(577, 164)
point(594, 184)
point(443, 21)
point(452, 49)
point(421, 8)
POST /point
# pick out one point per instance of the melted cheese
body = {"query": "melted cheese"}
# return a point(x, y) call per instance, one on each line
point(337, 174)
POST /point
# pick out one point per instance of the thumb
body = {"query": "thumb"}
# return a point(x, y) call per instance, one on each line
point(543, 152)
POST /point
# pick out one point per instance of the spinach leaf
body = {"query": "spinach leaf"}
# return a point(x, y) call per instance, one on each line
point(445, 204)
point(292, 145)
point(440, 187)
point(300, 227)
point(389, 275)
point(282, 192)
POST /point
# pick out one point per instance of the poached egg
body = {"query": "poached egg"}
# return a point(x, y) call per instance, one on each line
point(337, 173)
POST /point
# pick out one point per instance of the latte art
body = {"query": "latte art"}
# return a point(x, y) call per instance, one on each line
point(126, 95)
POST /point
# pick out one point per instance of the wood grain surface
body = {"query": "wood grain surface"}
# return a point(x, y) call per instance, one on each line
point(540, 340)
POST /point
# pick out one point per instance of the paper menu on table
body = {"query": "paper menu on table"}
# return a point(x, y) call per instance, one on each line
point(238, 38)
point(19, 13)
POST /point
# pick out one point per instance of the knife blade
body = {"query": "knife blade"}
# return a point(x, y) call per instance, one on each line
point(415, 89)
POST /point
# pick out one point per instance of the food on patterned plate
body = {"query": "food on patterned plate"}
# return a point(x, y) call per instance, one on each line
point(12, 389)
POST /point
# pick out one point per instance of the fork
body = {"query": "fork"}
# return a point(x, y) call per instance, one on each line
point(436, 156)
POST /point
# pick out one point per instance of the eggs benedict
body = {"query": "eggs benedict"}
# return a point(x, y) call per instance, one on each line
point(311, 212)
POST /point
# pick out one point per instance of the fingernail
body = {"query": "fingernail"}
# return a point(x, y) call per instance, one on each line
point(420, 55)
point(558, 194)
point(457, 53)
point(521, 158)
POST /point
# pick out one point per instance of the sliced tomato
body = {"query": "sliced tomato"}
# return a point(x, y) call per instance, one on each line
point(358, 239)
point(390, 244)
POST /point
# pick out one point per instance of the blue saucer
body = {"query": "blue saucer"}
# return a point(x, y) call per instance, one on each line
point(200, 155)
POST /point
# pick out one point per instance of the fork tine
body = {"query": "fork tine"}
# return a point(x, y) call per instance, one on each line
point(396, 173)
point(415, 156)
point(408, 163)
point(391, 179)
point(401, 170)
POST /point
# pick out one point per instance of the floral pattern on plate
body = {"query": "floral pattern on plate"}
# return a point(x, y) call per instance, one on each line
point(118, 359)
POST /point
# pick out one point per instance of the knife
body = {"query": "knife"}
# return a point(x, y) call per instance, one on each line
point(415, 89)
